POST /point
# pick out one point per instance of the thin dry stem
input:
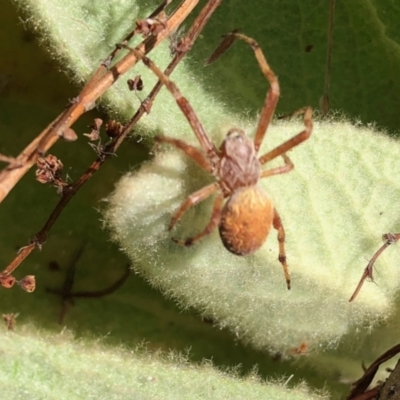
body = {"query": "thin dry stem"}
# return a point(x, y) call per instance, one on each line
point(11, 161)
point(325, 100)
point(390, 238)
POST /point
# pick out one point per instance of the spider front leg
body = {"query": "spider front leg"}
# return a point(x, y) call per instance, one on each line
point(294, 141)
point(197, 127)
point(277, 223)
point(189, 150)
point(213, 223)
point(273, 93)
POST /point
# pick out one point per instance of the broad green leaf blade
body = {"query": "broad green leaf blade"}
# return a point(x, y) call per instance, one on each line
point(335, 205)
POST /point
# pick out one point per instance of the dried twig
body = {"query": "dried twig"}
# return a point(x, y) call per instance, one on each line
point(68, 295)
point(390, 238)
point(11, 161)
point(361, 385)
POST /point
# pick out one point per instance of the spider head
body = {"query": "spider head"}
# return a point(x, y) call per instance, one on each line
point(237, 145)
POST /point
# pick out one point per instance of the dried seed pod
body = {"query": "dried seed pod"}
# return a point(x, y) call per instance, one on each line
point(113, 128)
point(135, 84)
point(28, 283)
point(7, 281)
point(151, 26)
point(49, 171)
point(69, 135)
point(95, 133)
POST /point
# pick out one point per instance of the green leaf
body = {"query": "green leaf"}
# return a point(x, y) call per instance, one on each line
point(335, 205)
point(57, 366)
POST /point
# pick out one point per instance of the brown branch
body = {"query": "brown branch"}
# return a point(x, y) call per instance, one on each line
point(22, 254)
point(95, 87)
point(106, 291)
point(68, 295)
point(368, 395)
point(69, 191)
point(11, 161)
point(361, 385)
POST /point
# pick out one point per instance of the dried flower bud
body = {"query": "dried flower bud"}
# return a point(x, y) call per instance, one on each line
point(98, 122)
point(95, 133)
point(28, 283)
point(7, 281)
point(10, 320)
point(135, 84)
point(151, 26)
point(113, 128)
point(90, 105)
point(50, 163)
point(69, 135)
point(44, 176)
point(49, 171)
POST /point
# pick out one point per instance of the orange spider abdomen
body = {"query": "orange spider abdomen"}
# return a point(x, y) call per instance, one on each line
point(246, 220)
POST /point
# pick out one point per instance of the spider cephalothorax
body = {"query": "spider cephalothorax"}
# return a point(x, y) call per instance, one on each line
point(238, 165)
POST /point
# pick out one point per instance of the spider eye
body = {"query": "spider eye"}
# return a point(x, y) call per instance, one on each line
point(235, 134)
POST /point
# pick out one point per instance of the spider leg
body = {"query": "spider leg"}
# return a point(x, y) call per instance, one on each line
point(182, 102)
point(212, 224)
point(189, 150)
point(279, 170)
point(277, 223)
point(191, 201)
point(273, 93)
point(294, 141)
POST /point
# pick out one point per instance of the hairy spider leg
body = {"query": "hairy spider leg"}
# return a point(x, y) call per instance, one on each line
point(212, 224)
point(295, 140)
point(279, 170)
point(197, 127)
point(277, 223)
point(270, 102)
point(192, 200)
point(273, 93)
point(189, 150)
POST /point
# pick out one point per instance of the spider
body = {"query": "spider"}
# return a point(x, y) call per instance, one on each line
point(246, 218)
